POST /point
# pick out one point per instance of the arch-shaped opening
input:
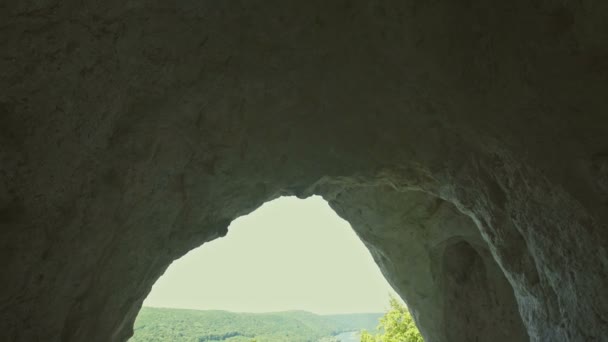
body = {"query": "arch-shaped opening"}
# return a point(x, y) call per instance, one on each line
point(422, 245)
point(290, 270)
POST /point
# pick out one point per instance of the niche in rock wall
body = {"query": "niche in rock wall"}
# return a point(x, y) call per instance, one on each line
point(479, 304)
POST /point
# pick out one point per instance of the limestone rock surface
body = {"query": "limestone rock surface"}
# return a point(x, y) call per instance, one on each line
point(465, 141)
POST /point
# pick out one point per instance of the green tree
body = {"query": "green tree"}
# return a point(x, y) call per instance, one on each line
point(396, 325)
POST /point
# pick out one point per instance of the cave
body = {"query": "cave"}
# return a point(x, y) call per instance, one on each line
point(466, 142)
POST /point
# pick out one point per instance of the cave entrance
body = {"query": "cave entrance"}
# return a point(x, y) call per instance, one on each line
point(288, 255)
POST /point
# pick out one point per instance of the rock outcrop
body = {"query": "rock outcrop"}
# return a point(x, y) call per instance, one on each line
point(465, 141)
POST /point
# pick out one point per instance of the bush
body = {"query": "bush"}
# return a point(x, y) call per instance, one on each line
point(396, 325)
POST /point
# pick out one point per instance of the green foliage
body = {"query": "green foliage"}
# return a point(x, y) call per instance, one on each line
point(396, 325)
point(164, 325)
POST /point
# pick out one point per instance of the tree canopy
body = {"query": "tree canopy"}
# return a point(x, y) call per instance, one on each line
point(396, 325)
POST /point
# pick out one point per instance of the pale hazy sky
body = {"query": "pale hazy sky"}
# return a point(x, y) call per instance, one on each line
point(289, 254)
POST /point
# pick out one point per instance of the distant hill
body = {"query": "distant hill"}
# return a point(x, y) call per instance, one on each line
point(176, 325)
point(358, 321)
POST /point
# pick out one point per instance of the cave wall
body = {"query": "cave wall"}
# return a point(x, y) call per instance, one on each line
point(133, 132)
point(458, 293)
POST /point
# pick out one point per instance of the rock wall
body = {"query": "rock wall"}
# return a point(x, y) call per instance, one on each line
point(438, 260)
point(465, 141)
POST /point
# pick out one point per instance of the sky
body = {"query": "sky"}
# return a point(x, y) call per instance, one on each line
point(289, 254)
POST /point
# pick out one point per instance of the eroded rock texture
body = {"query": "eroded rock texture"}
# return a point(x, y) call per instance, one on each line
point(459, 293)
point(465, 141)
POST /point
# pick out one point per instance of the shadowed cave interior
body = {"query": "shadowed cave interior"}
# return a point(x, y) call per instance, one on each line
point(464, 141)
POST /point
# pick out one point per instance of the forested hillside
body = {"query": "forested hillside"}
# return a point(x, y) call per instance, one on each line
point(168, 325)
